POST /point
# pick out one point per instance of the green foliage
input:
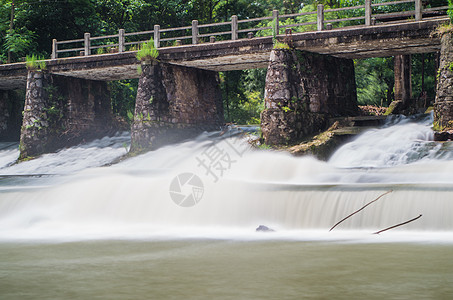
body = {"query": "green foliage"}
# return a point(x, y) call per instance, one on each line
point(429, 82)
point(130, 116)
point(391, 108)
point(35, 62)
point(280, 45)
point(54, 111)
point(62, 20)
point(442, 29)
point(264, 147)
point(437, 126)
point(450, 10)
point(374, 81)
point(274, 31)
point(311, 6)
point(18, 42)
point(147, 51)
point(243, 95)
point(123, 93)
point(286, 109)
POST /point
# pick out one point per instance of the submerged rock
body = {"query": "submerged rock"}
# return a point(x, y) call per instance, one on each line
point(443, 136)
point(264, 228)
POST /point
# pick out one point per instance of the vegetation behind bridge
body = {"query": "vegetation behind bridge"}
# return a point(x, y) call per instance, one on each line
point(28, 27)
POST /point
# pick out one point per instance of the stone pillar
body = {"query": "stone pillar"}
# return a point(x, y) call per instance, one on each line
point(174, 103)
point(403, 84)
point(62, 111)
point(151, 107)
point(35, 132)
point(302, 91)
point(443, 105)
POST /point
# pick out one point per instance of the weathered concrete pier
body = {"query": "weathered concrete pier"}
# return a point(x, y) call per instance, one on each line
point(174, 103)
point(61, 111)
point(303, 90)
point(179, 93)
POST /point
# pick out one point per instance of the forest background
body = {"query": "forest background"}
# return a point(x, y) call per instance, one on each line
point(28, 27)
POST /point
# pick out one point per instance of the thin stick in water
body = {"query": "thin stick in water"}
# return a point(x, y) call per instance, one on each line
point(341, 221)
point(397, 225)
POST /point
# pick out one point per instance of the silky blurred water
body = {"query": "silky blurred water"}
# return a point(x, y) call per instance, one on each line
point(225, 269)
point(73, 226)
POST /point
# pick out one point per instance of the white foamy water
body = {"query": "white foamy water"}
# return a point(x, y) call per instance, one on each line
point(242, 188)
point(69, 160)
point(403, 143)
point(8, 153)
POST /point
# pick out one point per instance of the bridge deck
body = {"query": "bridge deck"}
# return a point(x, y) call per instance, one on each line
point(351, 42)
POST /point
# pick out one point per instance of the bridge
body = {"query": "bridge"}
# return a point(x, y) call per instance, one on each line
point(410, 33)
point(342, 33)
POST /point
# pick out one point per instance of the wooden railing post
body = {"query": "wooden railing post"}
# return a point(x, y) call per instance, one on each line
point(276, 21)
point(418, 10)
point(156, 36)
point(367, 12)
point(87, 44)
point(234, 27)
point(195, 32)
point(121, 40)
point(54, 49)
point(320, 17)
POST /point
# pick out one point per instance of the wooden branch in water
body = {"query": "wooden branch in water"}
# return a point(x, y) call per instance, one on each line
point(397, 225)
point(342, 220)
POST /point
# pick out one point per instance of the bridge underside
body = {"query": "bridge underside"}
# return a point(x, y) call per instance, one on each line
point(352, 42)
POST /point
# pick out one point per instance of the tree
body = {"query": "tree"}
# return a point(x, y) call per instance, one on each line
point(374, 80)
point(46, 19)
point(16, 40)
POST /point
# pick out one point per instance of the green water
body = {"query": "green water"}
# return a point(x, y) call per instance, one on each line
point(225, 269)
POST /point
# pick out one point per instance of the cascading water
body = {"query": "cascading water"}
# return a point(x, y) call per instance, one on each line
point(238, 189)
point(179, 222)
point(401, 141)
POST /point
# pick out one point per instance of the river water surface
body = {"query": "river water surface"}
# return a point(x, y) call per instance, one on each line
point(179, 222)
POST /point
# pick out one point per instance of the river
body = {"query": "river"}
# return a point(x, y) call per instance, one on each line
point(180, 222)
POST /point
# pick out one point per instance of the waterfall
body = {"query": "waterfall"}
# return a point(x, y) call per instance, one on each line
point(213, 185)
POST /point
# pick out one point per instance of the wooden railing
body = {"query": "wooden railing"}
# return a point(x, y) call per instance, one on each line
point(238, 29)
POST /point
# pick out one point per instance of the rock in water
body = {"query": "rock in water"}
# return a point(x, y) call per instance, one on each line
point(264, 228)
